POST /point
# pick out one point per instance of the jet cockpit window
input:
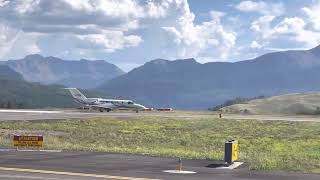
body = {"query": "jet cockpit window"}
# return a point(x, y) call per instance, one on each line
point(130, 102)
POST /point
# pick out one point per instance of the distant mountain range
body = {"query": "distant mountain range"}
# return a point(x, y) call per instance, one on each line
point(188, 84)
point(52, 70)
point(182, 84)
point(15, 92)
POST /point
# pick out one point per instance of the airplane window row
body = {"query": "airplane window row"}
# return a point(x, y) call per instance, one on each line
point(130, 102)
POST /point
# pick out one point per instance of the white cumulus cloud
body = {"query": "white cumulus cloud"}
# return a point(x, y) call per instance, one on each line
point(289, 30)
point(295, 28)
point(255, 45)
point(266, 8)
point(161, 28)
point(3, 3)
point(313, 15)
point(96, 23)
point(109, 41)
point(206, 39)
point(262, 24)
point(16, 43)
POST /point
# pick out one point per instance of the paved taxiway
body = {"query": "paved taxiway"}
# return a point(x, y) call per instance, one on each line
point(67, 114)
point(84, 165)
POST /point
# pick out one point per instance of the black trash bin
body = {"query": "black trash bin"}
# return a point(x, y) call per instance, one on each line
point(230, 151)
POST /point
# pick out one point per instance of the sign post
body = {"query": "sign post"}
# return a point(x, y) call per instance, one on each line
point(28, 141)
point(180, 164)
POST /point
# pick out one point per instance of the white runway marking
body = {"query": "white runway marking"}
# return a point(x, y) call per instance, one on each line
point(28, 111)
point(9, 176)
point(30, 150)
point(179, 172)
point(233, 166)
point(72, 174)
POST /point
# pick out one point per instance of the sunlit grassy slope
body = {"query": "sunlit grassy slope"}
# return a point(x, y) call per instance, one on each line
point(264, 145)
point(300, 103)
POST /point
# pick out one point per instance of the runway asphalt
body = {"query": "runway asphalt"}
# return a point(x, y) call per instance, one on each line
point(68, 114)
point(10, 115)
point(85, 165)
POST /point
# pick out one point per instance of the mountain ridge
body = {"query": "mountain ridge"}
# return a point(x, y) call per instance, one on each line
point(188, 84)
point(74, 73)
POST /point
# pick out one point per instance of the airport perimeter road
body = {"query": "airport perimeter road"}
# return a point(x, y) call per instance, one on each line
point(82, 165)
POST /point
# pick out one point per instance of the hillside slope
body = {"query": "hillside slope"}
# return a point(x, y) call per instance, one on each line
point(52, 70)
point(17, 93)
point(7, 73)
point(21, 94)
point(188, 84)
point(300, 103)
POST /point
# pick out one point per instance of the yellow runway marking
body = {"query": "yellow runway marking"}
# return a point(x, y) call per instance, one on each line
point(72, 174)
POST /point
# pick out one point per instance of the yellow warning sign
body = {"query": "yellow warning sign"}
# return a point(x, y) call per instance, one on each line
point(28, 141)
point(234, 151)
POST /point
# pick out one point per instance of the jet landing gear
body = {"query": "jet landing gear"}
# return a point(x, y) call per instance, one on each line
point(102, 109)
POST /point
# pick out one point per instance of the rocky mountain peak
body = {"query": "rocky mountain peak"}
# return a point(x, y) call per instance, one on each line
point(33, 57)
point(75, 73)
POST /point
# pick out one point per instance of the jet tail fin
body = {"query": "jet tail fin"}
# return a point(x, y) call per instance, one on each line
point(76, 93)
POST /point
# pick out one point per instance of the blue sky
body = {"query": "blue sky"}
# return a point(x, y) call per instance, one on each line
point(129, 33)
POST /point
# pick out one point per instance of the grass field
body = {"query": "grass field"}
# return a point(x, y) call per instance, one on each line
point(264, 145)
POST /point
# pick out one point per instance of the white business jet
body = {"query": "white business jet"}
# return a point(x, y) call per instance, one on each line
point(103, 104)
